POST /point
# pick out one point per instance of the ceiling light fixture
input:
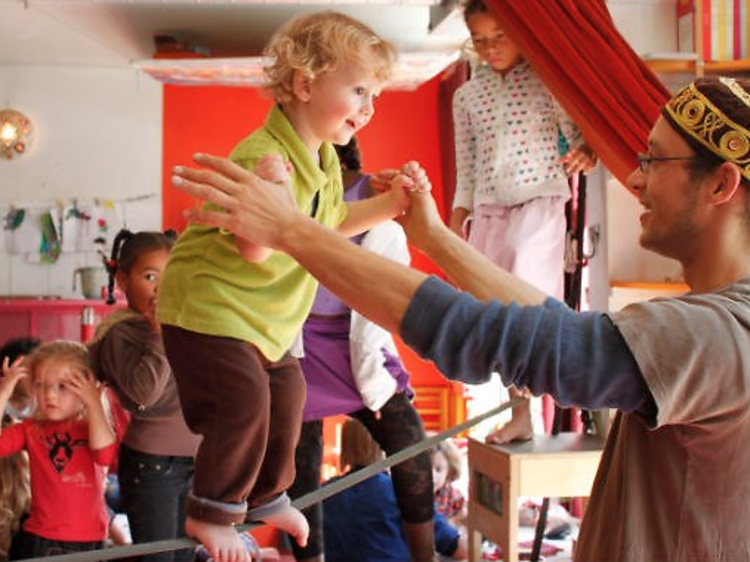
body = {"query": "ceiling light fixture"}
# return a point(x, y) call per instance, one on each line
point(15, 133)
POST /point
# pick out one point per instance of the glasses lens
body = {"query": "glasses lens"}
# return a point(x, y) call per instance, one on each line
point(643, 163)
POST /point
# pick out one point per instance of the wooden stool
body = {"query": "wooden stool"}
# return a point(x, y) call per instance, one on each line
point(563, 465)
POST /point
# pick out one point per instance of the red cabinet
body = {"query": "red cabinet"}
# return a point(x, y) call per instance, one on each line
point(51, 318)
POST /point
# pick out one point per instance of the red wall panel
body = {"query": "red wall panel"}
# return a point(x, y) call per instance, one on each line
point(213, 119)
point(203, 119)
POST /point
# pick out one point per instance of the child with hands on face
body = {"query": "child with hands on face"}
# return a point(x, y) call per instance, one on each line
point(70, 443)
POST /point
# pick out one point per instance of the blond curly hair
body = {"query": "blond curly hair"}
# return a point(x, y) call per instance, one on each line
point(318, 43)
point(73, 354)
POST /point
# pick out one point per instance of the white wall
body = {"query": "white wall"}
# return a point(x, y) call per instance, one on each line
point(650, 26)
point(97, 135)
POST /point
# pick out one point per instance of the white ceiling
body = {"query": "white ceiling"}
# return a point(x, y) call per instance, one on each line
point(108, 33)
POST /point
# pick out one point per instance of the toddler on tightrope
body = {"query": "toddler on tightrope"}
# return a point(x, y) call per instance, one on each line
point(231, 311)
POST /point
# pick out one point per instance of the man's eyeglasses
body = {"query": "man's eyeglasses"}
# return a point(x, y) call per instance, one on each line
point(644, 160)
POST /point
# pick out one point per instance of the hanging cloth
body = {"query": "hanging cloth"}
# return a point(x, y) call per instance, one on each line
point(588, 66)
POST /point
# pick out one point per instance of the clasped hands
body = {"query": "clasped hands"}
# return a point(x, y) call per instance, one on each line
point(257, 210)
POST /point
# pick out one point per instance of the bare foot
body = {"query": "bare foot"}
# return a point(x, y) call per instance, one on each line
point(222, 541)
point(517, 429)
point(291, 520)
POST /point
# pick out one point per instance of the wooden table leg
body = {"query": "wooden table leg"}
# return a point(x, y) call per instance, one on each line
point(509, 532)
point(475, 544)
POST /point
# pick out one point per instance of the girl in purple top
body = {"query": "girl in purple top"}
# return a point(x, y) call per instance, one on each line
point(351, 367)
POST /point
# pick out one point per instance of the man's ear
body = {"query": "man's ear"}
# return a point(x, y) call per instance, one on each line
point(729, 179)
point(302, 86)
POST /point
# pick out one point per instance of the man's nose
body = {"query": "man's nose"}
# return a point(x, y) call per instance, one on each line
point(636, 180)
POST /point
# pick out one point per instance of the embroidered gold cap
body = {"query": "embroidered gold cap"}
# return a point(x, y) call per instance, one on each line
point(715, 112)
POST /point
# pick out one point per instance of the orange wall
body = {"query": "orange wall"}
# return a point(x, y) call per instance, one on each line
point(214, 119)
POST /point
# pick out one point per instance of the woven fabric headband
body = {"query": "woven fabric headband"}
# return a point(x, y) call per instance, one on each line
point(699, 118)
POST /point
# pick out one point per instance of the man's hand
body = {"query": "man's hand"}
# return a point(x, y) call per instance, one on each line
point(421, 220)
point(411, 176)
point(254, 209)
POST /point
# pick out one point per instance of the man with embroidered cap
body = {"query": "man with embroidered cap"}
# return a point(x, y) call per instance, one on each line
point(674, 481)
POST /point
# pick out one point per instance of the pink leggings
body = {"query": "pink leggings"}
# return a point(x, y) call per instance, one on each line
point(527, 240)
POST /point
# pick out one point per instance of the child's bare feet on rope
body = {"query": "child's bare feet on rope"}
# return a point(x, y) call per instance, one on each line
point(291, 520)
point(222, 541)
point(254, 551)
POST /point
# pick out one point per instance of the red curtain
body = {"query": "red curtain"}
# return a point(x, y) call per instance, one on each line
point(600, 81)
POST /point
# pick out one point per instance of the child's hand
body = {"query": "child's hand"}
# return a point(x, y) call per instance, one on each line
point(381, 181)
point(273, 168)
point(581, 159)
point(401, 187)
point(418, 176)
point(85, 387)
point(150, 316)
point(403, 183)
point(458, 222)
point(12, 373)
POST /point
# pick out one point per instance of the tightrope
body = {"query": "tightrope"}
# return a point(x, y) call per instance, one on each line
point(116, 552)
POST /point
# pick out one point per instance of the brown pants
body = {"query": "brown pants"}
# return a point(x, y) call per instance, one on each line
point(244, 406)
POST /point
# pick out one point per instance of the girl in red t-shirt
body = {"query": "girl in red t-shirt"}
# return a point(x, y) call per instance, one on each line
point(70, 443)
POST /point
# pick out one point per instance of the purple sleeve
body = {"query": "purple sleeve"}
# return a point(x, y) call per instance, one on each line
point(581, 359)
point(395, 367)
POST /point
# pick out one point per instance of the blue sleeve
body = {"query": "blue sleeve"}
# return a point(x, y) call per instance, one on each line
point(446, 536)
point(581, 359)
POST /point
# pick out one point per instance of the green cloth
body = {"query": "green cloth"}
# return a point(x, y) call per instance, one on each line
point(208, 288)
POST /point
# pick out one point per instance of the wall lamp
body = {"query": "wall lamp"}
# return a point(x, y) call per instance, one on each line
point(15, 133)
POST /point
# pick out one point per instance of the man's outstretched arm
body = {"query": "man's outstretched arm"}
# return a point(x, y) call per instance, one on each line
point(465, 266)
point(265, 214)
point(466, 340)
